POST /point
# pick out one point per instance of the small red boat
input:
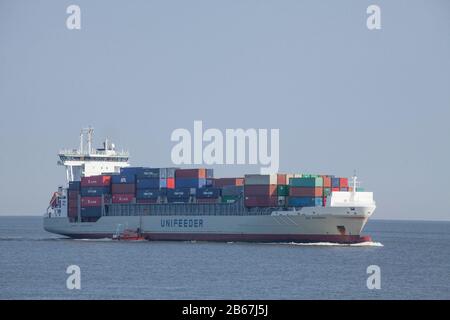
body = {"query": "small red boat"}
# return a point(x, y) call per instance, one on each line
point(129, 235)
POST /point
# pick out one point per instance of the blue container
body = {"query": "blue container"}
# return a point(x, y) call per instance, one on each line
point(209, 182)
point(209, 173)
point(148, 193)
point(123, 178)
point(91, 212)
point(208, 193)
point(74, 185)
point(178, 193)
point(131, 170)
point(305, 201)
point(149, 183)
point(150, 173)
point(190, 182)
point(335, 182)
point(95, 191)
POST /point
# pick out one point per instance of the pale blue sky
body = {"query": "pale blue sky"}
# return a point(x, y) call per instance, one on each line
point(343, 97)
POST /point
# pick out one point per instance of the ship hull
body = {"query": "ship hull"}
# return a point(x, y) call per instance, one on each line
point(338, 225)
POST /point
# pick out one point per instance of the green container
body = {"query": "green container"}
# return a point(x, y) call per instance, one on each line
point(282, 190)
point(326, 192)
point(229, 199)
point(306, 182)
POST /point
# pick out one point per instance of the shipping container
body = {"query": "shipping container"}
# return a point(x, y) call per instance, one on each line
point(74, 185)
point(335, 182)
point(178, 193)
point(326, 192)
point(306, 182)
point(170, 183)
point(191, 173)
point(209, 173)
point(123, 178)
point(209, 183)
point(207, 200)
point(343, 189)
point(335, 189)
point(232, 190)
point(305, 201)
point(222, 182)
point(343, 182)
point(73, 194)
point(72, 212)
point(229, 199)
point(260, 179)
point(282, 190)
point(306, 191)
point(260, 201)
point(151, 173)
point(148, 193)
point(148, 183)
point(72, 203)
point(94, 191)
point(260, 190)
point(281, 178)
point(91, 201)
point(326, 181)
point(96, 181)
point(205, 193)
point(190, 182)
point(89, 212)
point(122, 198)
point(123, 188)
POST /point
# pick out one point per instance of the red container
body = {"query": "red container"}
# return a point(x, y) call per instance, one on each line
point(72, 212)
point(206, 200)
point(146, 201)
point(281, 179)
point(73, 194)
point(335, 189)
point(260, 190)
point(91, 201)
point(190, 173)
point(170, 183)
point(73, 203)
point(326, 181)
point(122, 198)
point(261, 201)
point(123, 188)
point(343, 182)
point(222, 182)
point(96, 181)
point(306, 191)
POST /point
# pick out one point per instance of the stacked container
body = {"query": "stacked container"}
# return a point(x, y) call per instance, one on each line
point(123, 187)
point(190, 178)
point(260, 190)
point(208, 195)
point(306, 191)
point(93, 191)
point(72, 200)
point(178, 195)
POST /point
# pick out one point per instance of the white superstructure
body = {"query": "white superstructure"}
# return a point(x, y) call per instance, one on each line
point(87, 161)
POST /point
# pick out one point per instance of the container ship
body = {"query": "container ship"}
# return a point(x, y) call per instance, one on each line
point(105, 198)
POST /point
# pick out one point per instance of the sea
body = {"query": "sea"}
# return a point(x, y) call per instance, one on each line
point(406, 260)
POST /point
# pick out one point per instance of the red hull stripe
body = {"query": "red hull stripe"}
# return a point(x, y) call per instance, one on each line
point(237, 237)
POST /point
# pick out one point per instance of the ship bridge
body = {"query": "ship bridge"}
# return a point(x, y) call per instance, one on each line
point(87, 161)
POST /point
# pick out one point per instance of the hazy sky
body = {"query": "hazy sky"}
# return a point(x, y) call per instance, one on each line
point(343, 97)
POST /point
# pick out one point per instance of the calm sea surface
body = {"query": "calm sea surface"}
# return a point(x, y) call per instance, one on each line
point(414, 258)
